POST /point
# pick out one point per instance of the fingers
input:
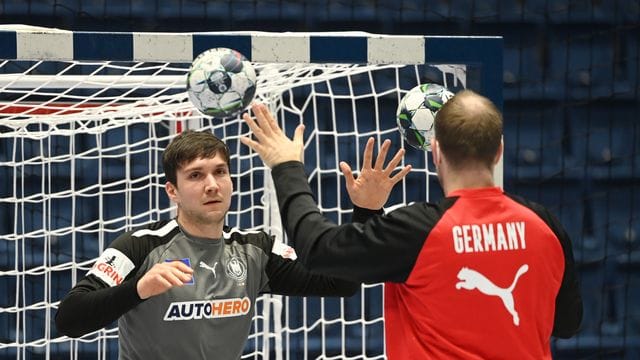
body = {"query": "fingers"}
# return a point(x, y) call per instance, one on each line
point(265, 119)
point(162, 277)
point(172, 279)
point(382, 154)
point(179, 265)
point(270, 119)
point(255, 129)
point(257, 132)
point(401, 174)
point(394, 161)
point(260, 127)
point(368, 154)
point(174, 273)
point(348, 174)
point(298, 135)
point(298, 140)
point(178, 273)
point(265, 126)
point(185, 272)
point(161, 284)
point(261, 118)
point(254, 145)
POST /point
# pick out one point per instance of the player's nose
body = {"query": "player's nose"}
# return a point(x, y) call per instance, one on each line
point(211, 183)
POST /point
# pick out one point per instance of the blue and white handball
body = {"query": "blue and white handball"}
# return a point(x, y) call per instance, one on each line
point(221, 83)
point(416, 113)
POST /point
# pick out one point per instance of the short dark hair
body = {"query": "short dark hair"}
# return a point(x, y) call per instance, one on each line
point(468, 128)
point(188, 146)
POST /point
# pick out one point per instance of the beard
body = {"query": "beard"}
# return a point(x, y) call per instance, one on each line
point(205, 218)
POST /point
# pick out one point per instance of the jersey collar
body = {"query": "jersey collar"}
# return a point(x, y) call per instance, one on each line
point(477, 192)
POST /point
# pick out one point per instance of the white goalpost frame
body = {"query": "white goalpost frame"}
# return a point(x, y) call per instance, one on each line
point(293, 54)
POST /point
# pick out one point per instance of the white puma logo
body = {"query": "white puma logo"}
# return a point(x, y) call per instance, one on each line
point(213, 269)
point(471, 279)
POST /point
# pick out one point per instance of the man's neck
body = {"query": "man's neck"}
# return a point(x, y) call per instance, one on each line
point(207, 231)
point(467, 179)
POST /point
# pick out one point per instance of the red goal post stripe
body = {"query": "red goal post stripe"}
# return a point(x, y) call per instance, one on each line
point(69, 108)
point(36, 109)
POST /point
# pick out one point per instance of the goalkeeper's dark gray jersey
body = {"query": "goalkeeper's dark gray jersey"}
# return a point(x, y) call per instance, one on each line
point(210, 317)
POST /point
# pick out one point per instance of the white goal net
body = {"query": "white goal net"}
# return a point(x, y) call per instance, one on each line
point(80, 148)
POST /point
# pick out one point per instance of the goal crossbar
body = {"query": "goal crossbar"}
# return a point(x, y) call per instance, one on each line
point(20, 42)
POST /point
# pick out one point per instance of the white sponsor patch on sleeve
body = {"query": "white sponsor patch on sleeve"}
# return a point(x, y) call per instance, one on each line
point(284, 250)
point(112, 267)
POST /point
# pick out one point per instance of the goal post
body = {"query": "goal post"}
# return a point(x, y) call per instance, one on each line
point(85, 116)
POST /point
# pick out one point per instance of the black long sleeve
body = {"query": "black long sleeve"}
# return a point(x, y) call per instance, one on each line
point(356, 250)
point(91, 305)
point(568, 316)
point(569, 308)
point(289, 277)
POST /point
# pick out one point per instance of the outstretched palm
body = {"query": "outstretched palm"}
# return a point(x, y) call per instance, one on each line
point(273, 146)
point(372, 187)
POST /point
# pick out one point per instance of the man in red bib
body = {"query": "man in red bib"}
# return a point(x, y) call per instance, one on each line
point(482, 274)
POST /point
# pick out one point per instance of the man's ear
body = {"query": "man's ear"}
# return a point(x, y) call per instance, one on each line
point(172, 191)
point(499, 153)
point(435, 150)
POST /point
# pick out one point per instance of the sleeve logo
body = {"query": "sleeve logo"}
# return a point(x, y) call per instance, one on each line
point(284, 250)
point(112, 267)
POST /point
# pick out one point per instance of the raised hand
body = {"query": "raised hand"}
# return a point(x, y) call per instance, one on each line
point(372, 187)
point(162, 277)
point(271, 144)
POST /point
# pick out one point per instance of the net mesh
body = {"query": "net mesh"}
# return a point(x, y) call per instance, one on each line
point(80, 154)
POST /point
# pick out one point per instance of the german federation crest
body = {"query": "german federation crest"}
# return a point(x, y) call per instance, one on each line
point(236, 269)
